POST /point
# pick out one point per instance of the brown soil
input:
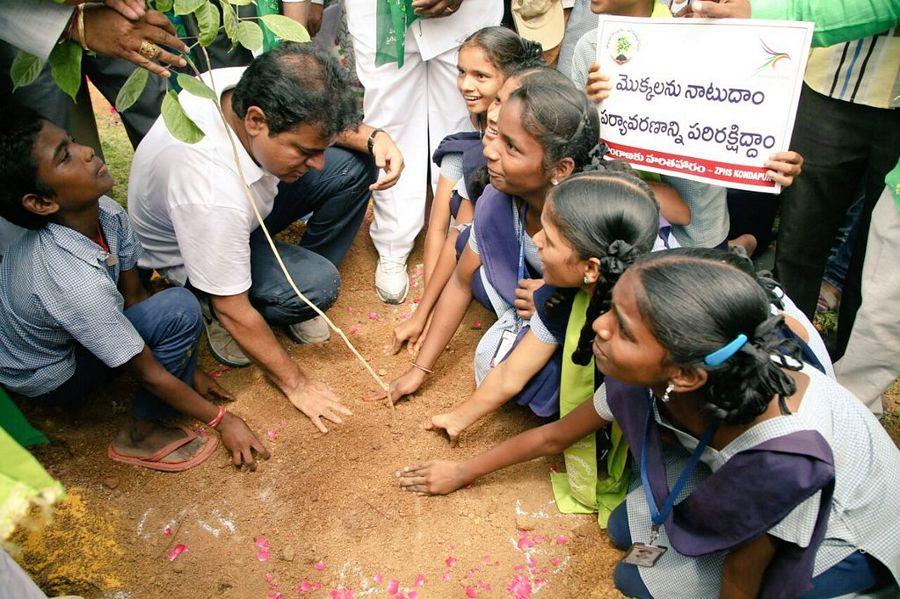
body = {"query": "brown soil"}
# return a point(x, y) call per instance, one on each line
point(322, 499)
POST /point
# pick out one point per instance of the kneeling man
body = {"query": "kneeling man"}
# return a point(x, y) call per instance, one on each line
point(190, 207)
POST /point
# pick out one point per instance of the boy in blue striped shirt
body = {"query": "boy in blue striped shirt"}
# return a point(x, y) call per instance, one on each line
point(73, 308)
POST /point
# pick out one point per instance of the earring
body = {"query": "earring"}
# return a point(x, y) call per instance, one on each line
point(669, 390)
point(586, 280)
point(554, 182)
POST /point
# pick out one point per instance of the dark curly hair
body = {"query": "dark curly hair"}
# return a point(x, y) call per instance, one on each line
point(691, 323)
point(19, 130)
point(296, 83)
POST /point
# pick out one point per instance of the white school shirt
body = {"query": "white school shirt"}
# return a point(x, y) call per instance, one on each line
point(187, 202)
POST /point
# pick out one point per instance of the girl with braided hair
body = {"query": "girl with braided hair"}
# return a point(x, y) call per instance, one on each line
point(759, 475)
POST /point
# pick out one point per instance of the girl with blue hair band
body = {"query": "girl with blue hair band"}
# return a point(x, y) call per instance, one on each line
point(758, 475)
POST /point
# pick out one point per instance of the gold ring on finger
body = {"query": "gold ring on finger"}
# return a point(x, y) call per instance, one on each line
point(149, 50)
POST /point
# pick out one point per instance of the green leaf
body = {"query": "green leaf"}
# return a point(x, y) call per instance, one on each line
point(164, 5)
point(186, 7)
point(132, 89)
point(249, 35)
point(229, 20)
point(240, 2)
point(286, 28)
point(208, 20)
point(25, 69)
point(195, 86)
point(178, 122)
point(65, 67)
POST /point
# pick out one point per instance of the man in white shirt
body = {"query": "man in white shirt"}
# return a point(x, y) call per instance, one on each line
point(419, 105)
point(190, 208)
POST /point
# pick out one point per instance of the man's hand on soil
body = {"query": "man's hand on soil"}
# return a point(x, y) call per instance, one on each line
point(317, 401)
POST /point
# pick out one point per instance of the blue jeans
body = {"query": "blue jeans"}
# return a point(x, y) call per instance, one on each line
point(839, 259)
point(170, 324)
point(337, 197)
point(858, 573)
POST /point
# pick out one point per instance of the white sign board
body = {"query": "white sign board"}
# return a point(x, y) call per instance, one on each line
point(703, 99)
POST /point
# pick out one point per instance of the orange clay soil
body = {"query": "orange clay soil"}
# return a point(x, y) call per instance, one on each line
point(325, 510)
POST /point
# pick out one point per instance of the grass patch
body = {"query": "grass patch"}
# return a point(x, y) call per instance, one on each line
point(117, 150)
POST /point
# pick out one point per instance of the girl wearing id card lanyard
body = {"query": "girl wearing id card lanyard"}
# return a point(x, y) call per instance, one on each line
point(787, 500)
point(546, 131)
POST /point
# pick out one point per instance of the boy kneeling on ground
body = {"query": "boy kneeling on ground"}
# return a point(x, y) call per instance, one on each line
point(72, 306)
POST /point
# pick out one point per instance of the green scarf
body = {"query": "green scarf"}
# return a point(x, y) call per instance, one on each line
point(580, 489)
point(268, 7)
point(392, 19)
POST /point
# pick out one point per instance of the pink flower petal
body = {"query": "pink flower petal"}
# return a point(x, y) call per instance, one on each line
point(378, 578)
point(354, 330)
point(419, 581)
point(275, 595)
point(476, 324)
point(450, 561)
point(555, 561)
point(176, 551)
point(271, 435)
point(416, 301)
point(446, 577)
point(303, 587)
point(519, 587)
point(262, 553)
point(270, 577)
point(538, 539)
point(553, 468)
point(525, 542)
point(341, 594)
point(471, 593)
point(485, 559)
point(167, 531)
point(373, 315)
point(320, 565)
point(562, 540)
point(393, 586)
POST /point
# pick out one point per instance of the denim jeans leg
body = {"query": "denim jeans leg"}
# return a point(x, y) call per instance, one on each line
point(170, 324)
point(839, 260)
point(315, 276)
point(336, 197)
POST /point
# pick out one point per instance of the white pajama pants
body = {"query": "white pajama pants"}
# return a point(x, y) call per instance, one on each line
point(418, 105)
point(872, 359)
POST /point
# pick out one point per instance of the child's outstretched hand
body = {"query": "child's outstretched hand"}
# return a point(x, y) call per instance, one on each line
point(598, 85)
point(784, 167)
point(410, 332)
point(406, 384)
point(438, 477)
point(241, 442)
point(448, 423)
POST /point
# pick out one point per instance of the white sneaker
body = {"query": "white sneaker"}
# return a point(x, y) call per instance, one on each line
point(314, 330)
point(391, 280)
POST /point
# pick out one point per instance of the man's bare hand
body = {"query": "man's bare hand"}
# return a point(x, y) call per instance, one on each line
point(433, 9)
point(109, 33)
point(389, 159)
point(318, 402)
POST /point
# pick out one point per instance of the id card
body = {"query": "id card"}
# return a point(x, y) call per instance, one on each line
point(643, 555)
point(507, 339)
